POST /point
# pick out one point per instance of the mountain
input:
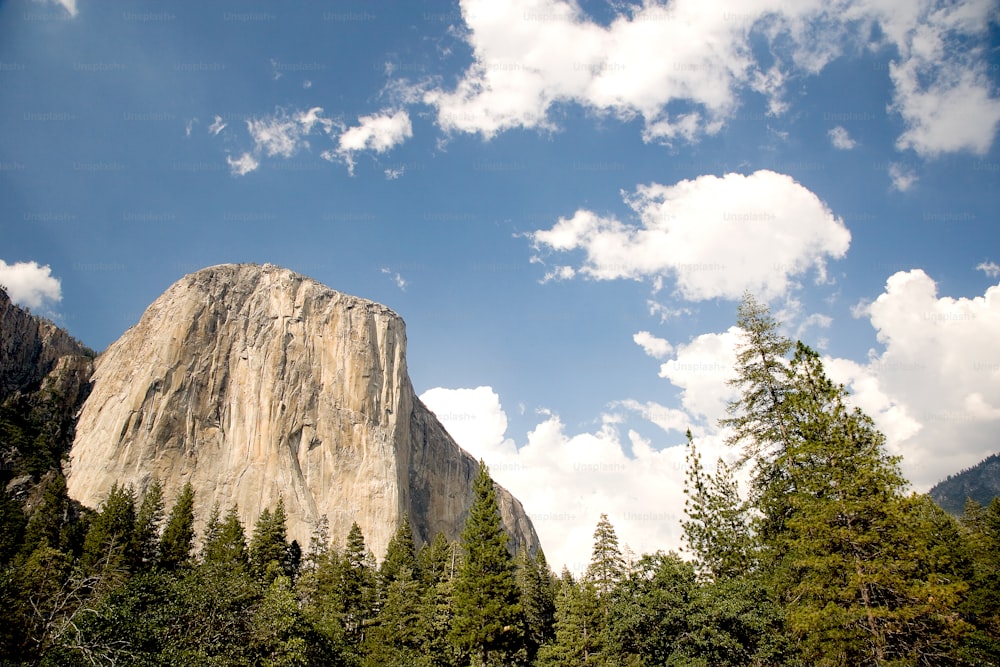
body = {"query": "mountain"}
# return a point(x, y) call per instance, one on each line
point(254, 383)
point(981, 482)
point(30, 349)
point(44, 376)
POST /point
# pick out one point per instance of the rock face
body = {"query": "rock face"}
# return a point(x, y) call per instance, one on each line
point(254, 383)
point(31, 348)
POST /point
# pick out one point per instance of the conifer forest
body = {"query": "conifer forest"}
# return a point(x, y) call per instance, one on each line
point(808, 550)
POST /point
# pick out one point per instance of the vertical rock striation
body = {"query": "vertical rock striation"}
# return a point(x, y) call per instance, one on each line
point(253, 382)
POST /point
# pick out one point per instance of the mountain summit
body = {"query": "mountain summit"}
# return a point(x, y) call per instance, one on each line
point(253, 383)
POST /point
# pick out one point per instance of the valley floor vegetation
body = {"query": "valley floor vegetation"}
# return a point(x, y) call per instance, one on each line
point(822, 559)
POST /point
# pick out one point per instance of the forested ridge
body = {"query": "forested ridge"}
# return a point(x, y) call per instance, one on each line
point(823, 558)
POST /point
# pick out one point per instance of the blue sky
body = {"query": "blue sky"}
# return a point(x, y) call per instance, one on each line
point(563, 201)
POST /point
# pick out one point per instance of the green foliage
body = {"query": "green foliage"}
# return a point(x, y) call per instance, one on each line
point(144, 543)
point(579, 626)
point(537, 600)
point(826, 562)
point(177, 540)
point(396, 637)
point(12, 524)
point(606, 563)
point(717, 529)
point(400, 554)
point(52, 521)
point(439, 560)
point(107, 543)
point(982, 604)
point(488, 624)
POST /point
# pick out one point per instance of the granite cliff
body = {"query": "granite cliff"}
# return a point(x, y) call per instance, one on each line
point(34, 351)
point(253, 382)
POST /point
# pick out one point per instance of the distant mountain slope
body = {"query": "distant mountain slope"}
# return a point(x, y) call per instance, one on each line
point(981, 482)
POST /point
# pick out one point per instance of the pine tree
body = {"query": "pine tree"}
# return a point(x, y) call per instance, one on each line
point(12, 523)
point(178, 535)
point(396, 638)
point(579, 626)
point(111, 531)
point(357, 588)
point(758, 417)
point(438, 560)
point(606, 563)
point(400, 554)
point(537, 600)
point(488, 624)
point(982, 604)
point(226, 544)
point(146, 535)
point(718, 527)
point(834, 526)
point(269, 550)
point(319, 543)
point(50, 522)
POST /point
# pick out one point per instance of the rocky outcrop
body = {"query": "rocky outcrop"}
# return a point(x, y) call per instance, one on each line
point(253, 382)
point(31, 348)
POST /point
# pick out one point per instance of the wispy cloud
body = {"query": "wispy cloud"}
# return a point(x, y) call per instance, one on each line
point(992, 269)
point(841, 139)
point(396, 277)
point(217, 126)
point(378, 132)
point(903, 178)
point(242, 165)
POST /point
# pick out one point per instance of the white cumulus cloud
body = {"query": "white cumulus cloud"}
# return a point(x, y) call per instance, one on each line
point(567, 480)
point(29, 284)
point(716, 236)
point(652, 345)
point(533, 55)
point(934, 387)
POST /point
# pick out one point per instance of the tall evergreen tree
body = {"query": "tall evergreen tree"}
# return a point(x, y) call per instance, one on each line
point(438, 560)
point(226, 545)
point(606, 563)
point(12, 523)
point(110, 533)
point(358, 586)
point(319, 543)
point(145, 538)
point(757, 416)
point(833, 526)
point(269, 549)
point(579, 626)
point(537, 600)
point(488, 624)
point(396, 637)
point(51, 521)
point(982, 605)
point(400, 554)
point(717, 529)
point(177, 540)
